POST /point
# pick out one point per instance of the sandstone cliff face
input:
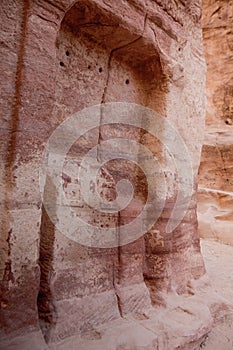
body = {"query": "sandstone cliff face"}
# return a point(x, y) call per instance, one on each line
point(59, 57)
point(216, 170)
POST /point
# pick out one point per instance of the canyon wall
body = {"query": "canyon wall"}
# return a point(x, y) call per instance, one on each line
point(59, 57)
point(215, 197)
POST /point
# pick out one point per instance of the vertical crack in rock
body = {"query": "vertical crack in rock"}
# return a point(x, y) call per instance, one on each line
point(45, 304)
point(5, 268)
point(8, 275)
point(116, 269)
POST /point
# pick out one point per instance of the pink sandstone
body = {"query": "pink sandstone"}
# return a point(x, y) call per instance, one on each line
point(58, 57)
point(215, 196)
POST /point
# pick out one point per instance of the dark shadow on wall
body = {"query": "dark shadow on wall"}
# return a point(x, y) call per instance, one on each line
point(45, 302)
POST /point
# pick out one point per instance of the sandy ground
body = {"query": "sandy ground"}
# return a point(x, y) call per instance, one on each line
point(219, 265)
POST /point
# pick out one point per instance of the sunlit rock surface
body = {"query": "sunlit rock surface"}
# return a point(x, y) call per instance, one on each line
point(215, 197)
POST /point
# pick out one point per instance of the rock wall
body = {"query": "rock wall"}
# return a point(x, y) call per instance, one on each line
point(215, 174)
point(59, 57)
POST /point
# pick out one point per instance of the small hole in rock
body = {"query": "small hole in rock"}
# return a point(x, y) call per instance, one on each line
point(89, 67)
point(61, 64)
point(127, 81)
point(100, 69)
point(67, 53)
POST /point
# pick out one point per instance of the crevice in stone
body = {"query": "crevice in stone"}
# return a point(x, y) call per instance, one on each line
point(46, 19)
point(8, 275)
point(45, 304)
point(97, 24)
point(117, 267)
point(216, 11)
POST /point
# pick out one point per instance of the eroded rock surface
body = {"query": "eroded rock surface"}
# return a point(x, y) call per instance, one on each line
point(215, 197)
point(59, 57)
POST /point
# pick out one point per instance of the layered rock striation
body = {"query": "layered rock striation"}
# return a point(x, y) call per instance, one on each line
point(216, 170)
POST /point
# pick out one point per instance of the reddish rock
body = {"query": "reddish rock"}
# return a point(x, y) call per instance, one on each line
point(60, 57)
point(216, 169)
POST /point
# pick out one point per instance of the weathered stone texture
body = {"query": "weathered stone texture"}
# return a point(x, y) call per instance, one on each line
point(63, 56)
point(216, 169)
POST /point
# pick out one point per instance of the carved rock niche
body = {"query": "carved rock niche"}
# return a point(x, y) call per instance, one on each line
point(99, 59)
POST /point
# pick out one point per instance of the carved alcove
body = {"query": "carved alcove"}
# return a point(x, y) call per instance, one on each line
point(99, 59)
point(66, 55)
